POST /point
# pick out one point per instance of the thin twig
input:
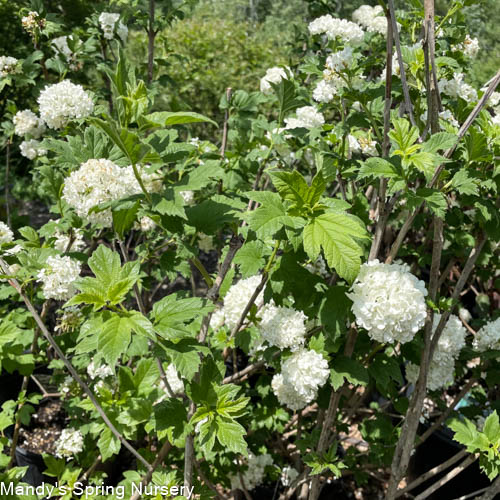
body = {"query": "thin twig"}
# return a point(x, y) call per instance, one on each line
point(492, 490)
point(7, 180)
point(406, 92)
point(432, 472)
point(151, 40)
point(208, 482)
point(229, 92)
point(448, 477)
point(158, 460)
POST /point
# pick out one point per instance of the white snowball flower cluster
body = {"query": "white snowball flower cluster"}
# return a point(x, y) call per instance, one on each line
point(273, 75)
point(488, 337)
point(440, 373)
point(445, 115)
point(469, 47)
point(464, 314)
point(99, 371)
point(306, 117)
point(173, 379)
point(8, 66)
point(62, 241)
point(288, 475)
point(188, 197)
point(456, 87)
point(302, 374)
point(388, 301)
point(62, 102)
point(31, 149)
point(6, 234)
point(26, 122)
point(70, 443)
point(235, 302)
point(108, 21)
point(325, 90)
point(60, 44)
point(318, 267)
point(362, 145)
point(442, 365)
point(282, 326)
point(254, 475)
point(58, 277)
point(452, 339)
point(145, 224)
point(340, 61)
point(371, 18)
point(348, 31)
point(99, 181)
point(32, 21)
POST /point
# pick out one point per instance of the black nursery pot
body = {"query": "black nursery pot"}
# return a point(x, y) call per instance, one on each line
point(34, 474)
point(438, 448)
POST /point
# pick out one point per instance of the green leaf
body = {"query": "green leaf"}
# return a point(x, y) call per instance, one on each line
point(440, 140)
point(377, 167)
point(108, 444)
point(402, 135)
point(336, 234)
point(250, 258)
point(465, 184)
point(285, 91)
point(425, 162)
point(230, 435)
point(185, 355)
point(435, 200)
point(167, 118)
point(271, 216)
point(172, 310)
point(124, 219)
point(114, 338)
point(492, 427)
point(465, 432)
point(349, 369)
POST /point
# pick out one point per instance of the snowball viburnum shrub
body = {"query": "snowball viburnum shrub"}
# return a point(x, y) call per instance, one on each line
point(306, 117)
point(488, 337)
point(273, 75)
point(27, 123)
point(388, 301)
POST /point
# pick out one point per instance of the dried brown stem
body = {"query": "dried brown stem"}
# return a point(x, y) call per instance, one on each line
point(229, 92)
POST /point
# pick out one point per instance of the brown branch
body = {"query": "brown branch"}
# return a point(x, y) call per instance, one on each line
point(158, 460)
point(448, 477)
point(492, 491)
point(465, 389)
point(404, 83)
point(14, 283)
point(432, 472)
point(151, 40)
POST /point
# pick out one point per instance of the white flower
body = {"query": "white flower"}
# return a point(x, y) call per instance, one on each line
point(99, 371)
point(108, 21)
point(62, 102)
point(288, 475)
point(205, 242)
point(470, 46)
point(99, 181)
point(63, 240)
point(173, 379)
point(31, 149)
point(362, 145)
point(494, 99)
point(273, 75)
point(325, 91)
point(282, 326)
point(238, 297)
point(440, 372)
point(69, 443)
point(254, 475)
point(318, 267)
point(456, 87)
point(6, 234)
point(26, 122)
point(372, 18)
point(60, 44)
point(217, 319)
point(388, 301)
point(348, 31)
point(122, 32)
point(307, 117)
point(488, 337)
point(340, 61)
point(188, 197)
point(464, 314)
point(8, 66)
point(452, 338)
point(352, 142)
point(58, 277)
point(447, 116)
point(302, 374)
point(32, 21)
